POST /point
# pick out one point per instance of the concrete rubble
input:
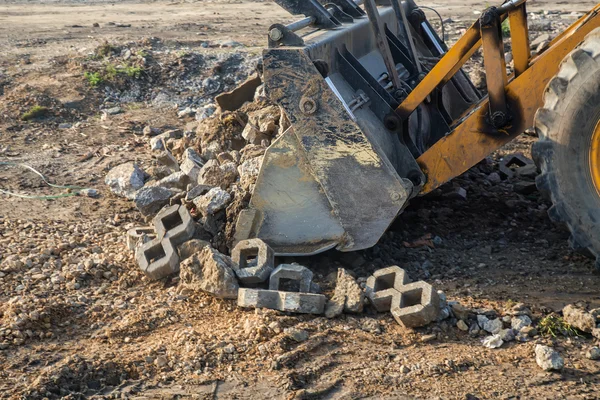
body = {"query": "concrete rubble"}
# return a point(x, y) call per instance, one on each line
point(548, 359)
point(348, 296)
point(579, 318)
point(210, 271)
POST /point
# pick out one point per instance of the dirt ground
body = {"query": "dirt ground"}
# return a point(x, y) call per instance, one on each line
point(95, 326)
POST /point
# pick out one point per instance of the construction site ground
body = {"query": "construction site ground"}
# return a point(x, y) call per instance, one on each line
point(112, 333)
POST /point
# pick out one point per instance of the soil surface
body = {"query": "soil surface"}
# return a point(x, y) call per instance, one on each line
point(83, 321)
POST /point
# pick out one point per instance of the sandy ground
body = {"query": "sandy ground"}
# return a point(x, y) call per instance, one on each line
point(499, 248)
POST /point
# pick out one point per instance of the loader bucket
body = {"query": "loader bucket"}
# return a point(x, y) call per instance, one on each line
point(343, 171)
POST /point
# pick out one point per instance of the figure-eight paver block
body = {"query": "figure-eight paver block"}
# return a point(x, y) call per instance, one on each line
point(253, 261)
point(137, 233)
point(417, 305)
point(176, 223)
point(383, 287)
point(291, 272)
point(157, 258)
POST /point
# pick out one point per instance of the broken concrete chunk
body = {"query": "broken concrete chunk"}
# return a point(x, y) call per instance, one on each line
point(304, 303)
point(167, 159)
point(253, 135)
point(253, 261)
point(191, 247)
point(149, 200)
point(125, 179)
point(348, 296)
point(218, 175)
point(519, 322)
point(216, 199)
point(297, 275)
point(548, 359)
point(176, 180)
point(493, 326)
point(191, 164)
point(493, 342)
point(211, 272)
point(248, 171)
point(197, 191)
point(579, 318)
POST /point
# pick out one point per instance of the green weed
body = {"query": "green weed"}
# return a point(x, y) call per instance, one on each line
point(93, 78)
point(34, 112)
point(553, 325)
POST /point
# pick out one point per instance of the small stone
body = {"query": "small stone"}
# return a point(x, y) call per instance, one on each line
point(150, 131)
point(494, 177)
point(229, 349)
point(191, 164)
point(460, 311)
point(579, 318)
point(299, 335)
point(404, 369)
point(125, 180)
point(593, 353)
point(428, 338)
point(93, 193)
point(462, 325)
point(529, 331)
point(114, 110)
point(520, 322)
point(548, 359)
point(218, 175)
point(161, 361)
point(493, 342)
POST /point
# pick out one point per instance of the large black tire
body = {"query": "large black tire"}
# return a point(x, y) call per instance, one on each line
point(566, 125)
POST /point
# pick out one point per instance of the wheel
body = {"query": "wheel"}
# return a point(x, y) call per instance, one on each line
point(568, 149)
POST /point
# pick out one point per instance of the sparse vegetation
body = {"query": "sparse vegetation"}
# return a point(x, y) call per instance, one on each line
point(105, 50)
point(34, 112)
point(553, 325)
point(93, 78)
point(505, 28)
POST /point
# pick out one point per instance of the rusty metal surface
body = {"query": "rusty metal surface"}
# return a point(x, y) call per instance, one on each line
point(474, 138)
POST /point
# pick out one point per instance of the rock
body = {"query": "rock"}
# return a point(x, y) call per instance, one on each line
point(493, 326)
point(462, 325)
point(529, 171)
point(298, 335)
point(157, 143)
point(460, 311)
point(191, 247)
point(191, 164)
point(548, 359)
point(404, 369)
point(167, 159)
point(348, 294)
point(89, 193)
point(520, 322)
point(524, 187)
point(210, 271)
point(125, 179)
point(150, 131)
point(205, 112)
point(161, 361)
point(186, 112)
point(529, 331)
point(540, 40)
point(114, 110)
point(474, 329)
point(215, 200)
point(579, 318)
point(177, 180)
point(507, 335)
point(593, 353)
point(197, 191)
point(494, 177)
point(150, 200)
point(248, 171)
point(596, 333)
point(482, 320)
point(253, 135)
point(493, 342)
point(218, 175)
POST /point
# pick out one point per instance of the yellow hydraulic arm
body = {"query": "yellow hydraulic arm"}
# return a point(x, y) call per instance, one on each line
point(512, 101)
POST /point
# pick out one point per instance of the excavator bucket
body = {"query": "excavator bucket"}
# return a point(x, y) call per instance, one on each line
point(346, 167)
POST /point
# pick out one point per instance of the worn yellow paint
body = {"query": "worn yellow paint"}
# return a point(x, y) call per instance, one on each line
point(519, 36)
point(474, 138)
point(595, 158)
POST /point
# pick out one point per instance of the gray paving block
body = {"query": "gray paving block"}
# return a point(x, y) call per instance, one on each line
point(253, 261)
point(384, 285)
point(157, 258)
point(291, 272)
point(137, 233)
point(175, 222)
point(305, 303)
point(417, 305)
